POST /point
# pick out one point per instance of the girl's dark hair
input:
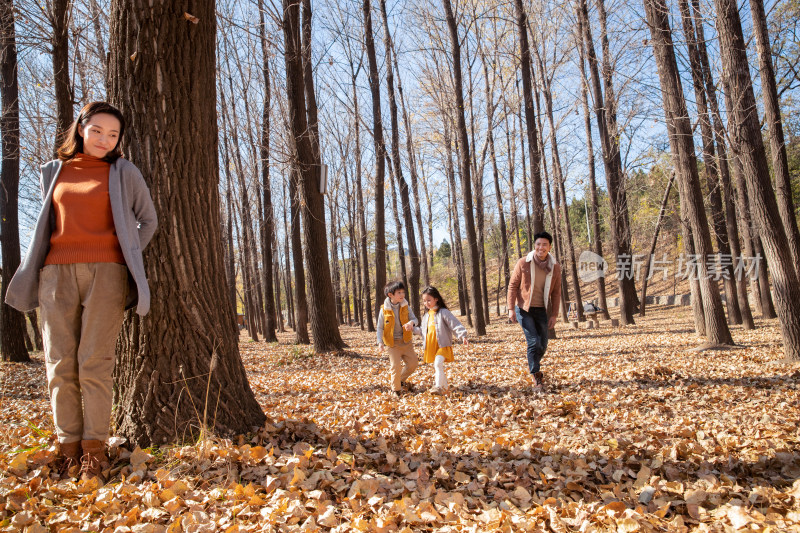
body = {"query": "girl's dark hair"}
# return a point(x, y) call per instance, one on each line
point(433, 292)
point(73, 142)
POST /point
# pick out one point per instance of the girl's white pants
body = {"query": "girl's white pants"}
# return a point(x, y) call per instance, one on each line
point(440, 378)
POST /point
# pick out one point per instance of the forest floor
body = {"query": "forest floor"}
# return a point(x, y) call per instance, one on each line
point(636, 432)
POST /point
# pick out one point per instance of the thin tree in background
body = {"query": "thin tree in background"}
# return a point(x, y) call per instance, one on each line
point(527, 93)
point(466, 184)
point(380, 163)
point(746, 131)
point(595, 205)
point(405, 201)
point(606, 125)
point(190, 329)
point(12, 322)
point(268, 215)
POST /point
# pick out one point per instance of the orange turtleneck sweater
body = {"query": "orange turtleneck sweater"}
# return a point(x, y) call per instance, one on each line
point(85, 231)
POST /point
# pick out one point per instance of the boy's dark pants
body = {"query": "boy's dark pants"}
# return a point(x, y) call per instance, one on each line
point(534, 325)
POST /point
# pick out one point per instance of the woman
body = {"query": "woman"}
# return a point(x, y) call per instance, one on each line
point(83, 269)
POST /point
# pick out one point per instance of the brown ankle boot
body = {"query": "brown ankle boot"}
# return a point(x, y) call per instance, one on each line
point(94, 459)
point(69, 455)
point(538, 381)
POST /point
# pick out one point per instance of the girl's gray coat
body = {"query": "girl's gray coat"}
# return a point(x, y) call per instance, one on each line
point(446, 324)
point(134, 220)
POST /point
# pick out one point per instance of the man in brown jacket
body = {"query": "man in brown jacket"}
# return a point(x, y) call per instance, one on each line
point(534, 294)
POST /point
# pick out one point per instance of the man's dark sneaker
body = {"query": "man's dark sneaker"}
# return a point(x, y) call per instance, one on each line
point(538, 381)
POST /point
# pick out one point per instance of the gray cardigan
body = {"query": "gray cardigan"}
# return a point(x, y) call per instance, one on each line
point(447, 326)
point(134, 221)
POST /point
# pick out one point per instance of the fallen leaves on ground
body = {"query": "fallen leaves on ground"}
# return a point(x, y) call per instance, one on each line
point(636, 432)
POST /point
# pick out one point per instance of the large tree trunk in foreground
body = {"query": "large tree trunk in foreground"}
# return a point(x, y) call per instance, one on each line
point(12, 322)
point(685, 163)
point(747, 133)
point(772, 116)
point(178, 372)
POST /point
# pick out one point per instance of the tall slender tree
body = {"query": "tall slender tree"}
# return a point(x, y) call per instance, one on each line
point(466, 183)
point(12, 322)
point(380, 163)
point(405, 201)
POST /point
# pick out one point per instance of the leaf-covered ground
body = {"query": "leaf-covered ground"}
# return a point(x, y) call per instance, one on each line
point(636, 432)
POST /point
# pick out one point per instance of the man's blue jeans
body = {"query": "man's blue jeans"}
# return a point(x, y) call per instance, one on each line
point(534, 324)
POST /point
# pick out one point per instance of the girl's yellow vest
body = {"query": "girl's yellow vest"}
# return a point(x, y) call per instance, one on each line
point(388, 326)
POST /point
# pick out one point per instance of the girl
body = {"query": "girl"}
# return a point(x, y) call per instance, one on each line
point(439, 326)
point(83, 268)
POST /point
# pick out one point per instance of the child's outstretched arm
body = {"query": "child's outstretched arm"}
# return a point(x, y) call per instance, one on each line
point(455, 325)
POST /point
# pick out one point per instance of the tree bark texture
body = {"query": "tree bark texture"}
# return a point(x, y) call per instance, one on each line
point(59, 19)
point(746, 132)
point(178, 373)
point(685, 163)
point(12, 322)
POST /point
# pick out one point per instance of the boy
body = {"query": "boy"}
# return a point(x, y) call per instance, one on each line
point(396, 322)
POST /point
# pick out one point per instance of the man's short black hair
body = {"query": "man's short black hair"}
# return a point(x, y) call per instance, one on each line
point(393, 286)
point(543, 235)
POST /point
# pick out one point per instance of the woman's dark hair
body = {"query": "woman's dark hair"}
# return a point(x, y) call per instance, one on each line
point(73, 142)
point(433, 292)
point(543, 235)
point(393, 286)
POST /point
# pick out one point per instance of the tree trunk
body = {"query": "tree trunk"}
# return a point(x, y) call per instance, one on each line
point(268, 220)
point(305, 146)
point(12, 341)
point(189, 332)
point(512, 194)
point(533, 146)
point(490, 108)
point(455, 235)
point(37, 332)
point(405, 201)
point(229, 254)
point(685, 163)
point(747, 132)
point(719, 224)
point(380, 164)
point(772, 116)
point(412, 166)
point(613, 170)
point(362, 215)
point(401, 254)
point(59, 19)
point(649, 259)
point(733, 216)
point(289, 237)
point(598, 241)
point(336, 277)
point(466, 184)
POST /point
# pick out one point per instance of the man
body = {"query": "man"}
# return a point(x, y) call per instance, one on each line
point(534, 294)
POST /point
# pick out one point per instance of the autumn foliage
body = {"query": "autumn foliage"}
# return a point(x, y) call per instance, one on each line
point(637, 432)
